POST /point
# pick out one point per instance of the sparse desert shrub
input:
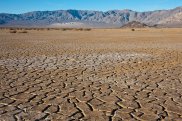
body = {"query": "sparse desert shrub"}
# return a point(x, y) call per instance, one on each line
point(39, 29)
point(13, 31)
point(87, 29)
point(63, 29)
point(23, 31)
point(76, 29)
point(55, 28)
point(132, 29)
point(20, 28)
point(27, 28)
point(69, 28)
point(80, 29)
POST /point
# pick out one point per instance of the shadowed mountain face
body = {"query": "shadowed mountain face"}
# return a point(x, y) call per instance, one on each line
point(113, 18)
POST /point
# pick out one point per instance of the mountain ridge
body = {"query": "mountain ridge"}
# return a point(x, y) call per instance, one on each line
point(91, 18)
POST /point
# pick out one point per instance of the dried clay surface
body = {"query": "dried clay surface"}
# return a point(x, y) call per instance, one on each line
point(97, 75)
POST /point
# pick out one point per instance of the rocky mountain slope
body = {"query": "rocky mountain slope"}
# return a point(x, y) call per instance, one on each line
point(113, 18)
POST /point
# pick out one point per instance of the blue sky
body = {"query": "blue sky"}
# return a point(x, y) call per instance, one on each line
point(22, 6)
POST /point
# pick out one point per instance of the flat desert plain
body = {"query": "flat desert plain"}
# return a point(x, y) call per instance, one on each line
point(96, 75)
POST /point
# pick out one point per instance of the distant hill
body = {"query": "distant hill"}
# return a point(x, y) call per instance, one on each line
point(85, 18)
point(135, 24)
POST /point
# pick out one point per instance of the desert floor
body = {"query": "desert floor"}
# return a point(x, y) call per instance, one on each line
point(97, 75)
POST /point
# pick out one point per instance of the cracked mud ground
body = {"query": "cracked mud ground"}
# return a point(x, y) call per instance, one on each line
point(97, 75)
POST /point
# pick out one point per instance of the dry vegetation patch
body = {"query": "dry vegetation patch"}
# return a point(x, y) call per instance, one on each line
point(23, 31)
point(13, 31)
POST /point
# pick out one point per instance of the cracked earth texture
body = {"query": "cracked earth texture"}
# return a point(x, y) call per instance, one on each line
point(97, 75)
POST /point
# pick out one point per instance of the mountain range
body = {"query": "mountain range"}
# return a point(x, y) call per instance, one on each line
point(87, 18)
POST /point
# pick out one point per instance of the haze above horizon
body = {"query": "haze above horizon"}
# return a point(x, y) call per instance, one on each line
point(22, 6)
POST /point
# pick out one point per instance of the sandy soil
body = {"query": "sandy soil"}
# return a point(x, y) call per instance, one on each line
point(102, 74)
